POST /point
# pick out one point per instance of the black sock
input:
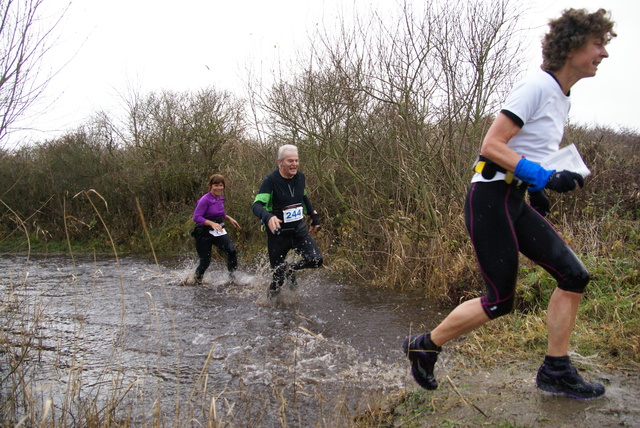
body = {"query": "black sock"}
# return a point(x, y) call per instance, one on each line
point(557, 363)
point(428, 344)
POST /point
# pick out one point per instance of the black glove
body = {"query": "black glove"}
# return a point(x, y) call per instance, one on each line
point(315, 220)
point(564, 181)
point(540, 202)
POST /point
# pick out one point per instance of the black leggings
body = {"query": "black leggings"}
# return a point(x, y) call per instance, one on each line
point(279, 246)
point(500, 225)
point(205, 242)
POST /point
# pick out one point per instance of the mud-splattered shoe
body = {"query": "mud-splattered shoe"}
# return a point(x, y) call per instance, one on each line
point(558, 376)
point(423, 354)
point(291, 277)
point(273, 290)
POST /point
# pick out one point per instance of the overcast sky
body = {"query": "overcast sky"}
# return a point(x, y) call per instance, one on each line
point(108, 45)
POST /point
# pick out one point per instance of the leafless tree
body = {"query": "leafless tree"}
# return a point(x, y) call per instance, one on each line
point(389, 108)
point(23, 45)
point(409, 92)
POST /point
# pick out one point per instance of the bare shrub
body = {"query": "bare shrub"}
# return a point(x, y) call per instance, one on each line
point(389, 115)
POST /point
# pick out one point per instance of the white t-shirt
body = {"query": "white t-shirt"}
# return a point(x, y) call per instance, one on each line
point(538, 101)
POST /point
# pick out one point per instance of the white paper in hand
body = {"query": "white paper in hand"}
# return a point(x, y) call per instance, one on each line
point(216, 233)
point(567, 159)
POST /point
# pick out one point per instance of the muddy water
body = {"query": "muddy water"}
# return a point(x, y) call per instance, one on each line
point(127, 331)
point(126, 335)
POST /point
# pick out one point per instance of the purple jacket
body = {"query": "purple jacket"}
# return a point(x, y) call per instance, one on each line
point(208, 208)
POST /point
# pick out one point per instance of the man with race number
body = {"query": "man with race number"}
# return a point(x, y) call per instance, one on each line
point(281, 205)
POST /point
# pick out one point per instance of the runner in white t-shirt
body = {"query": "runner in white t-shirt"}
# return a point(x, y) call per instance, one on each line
point(501, 224)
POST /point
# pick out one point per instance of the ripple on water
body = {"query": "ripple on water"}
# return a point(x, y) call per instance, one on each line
point(135, 326)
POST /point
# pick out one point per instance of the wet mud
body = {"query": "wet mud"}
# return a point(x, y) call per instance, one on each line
point(506, 395)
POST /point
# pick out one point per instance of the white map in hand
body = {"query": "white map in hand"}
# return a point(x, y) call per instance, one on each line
point(567, 159)
point(216, 233)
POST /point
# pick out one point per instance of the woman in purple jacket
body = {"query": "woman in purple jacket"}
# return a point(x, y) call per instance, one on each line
point(209, 217)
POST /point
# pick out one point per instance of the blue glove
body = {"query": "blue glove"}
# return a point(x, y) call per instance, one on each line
point(532, 173)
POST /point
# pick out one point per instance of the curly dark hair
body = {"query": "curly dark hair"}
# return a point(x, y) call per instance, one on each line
point(570, 32)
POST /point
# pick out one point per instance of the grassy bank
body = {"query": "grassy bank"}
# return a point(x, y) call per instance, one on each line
point(487, 379)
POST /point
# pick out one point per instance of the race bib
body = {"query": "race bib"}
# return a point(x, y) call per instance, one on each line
point(291, 214)
point(216, 233)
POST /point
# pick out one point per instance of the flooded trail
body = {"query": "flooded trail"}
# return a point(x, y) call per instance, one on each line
point(125, 340)
point(128, 331)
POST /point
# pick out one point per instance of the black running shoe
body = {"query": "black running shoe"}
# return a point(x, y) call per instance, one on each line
point(564, 379)
point(291, 276)
point(423, 354)
point(274, 290)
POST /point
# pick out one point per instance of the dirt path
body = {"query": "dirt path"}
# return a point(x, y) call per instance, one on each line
point(508, 397)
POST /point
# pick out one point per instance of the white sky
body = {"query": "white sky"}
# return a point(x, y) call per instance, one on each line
point(110, 45)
